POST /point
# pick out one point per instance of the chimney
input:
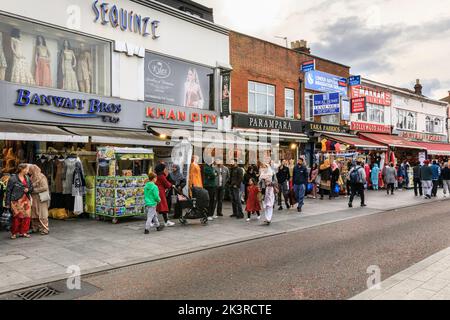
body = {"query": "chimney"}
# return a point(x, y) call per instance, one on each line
point(418, 87)
point(300, 46)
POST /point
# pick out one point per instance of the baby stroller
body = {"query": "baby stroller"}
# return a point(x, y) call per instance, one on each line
point(197, 206)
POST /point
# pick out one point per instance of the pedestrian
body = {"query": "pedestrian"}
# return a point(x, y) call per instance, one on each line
point(417, 179)
point(210, 184)
point(300, 182)
point(406, 166)
point(445, 174)
point(325, 178)
point(367, 171)
point(253, 202)
point(349, 167)
point(400, 175)
point(335, 174)
point(426, 174)
point(178, 180)
point(265, 174)
point(390, 176)
point(269, 201)
point(436, 174)
point(236, 178)
point(223, 176)
point(252, 173)
point(374, 176)
point(283, 178)
point(357, 176)
point(152, 199)
point(18, 200)
point(163, 185)
point(40, 201)
point(313, 179)
point(195, 174)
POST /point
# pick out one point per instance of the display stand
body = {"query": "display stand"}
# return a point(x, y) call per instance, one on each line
point(121, 196)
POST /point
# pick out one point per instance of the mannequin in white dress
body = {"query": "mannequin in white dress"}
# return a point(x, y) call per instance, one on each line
point(68, 65)
point(3, 64)
point(20, 68)
point(84, 69)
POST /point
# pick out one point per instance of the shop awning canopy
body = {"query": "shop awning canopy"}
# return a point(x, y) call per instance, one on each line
point(33, 132)
point(436, 149)
point(292, 137)
point(391, 141)
point(356, 142)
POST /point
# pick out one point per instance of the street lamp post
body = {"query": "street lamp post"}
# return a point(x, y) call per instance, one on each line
point(285, 39)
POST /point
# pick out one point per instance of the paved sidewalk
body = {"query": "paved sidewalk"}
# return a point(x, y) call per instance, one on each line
point(99, 246)
point(426, 280)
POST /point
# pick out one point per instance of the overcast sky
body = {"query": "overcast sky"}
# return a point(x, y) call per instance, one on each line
point(391, 41)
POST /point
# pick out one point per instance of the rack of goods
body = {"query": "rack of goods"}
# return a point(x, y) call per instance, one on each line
point(120, 181)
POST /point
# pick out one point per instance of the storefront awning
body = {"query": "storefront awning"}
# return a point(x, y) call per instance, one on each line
point(356, 142)
point(281, 136)
point(436, 149)
point(33, 132)
point(391, 141)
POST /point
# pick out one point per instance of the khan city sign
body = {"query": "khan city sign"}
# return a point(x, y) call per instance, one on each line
point(183, 116)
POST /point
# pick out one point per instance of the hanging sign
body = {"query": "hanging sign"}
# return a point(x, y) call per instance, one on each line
point(354, 81)
point(325, 82)
point(309, 65)
point(326, 103)
point(226, 87)
point(358, 105)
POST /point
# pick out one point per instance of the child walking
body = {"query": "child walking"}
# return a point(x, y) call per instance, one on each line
point(269, 201)
point(253, 205)
point(151, 194)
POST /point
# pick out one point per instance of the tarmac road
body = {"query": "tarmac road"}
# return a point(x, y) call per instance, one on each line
point(327, 262)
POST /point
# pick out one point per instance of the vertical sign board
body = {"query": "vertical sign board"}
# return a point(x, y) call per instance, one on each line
point(354, 81)
point(225, 94)
point(326, 104)
point(358, 105)
point(308, 66)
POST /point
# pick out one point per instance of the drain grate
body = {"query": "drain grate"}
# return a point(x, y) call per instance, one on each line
point(39, 293)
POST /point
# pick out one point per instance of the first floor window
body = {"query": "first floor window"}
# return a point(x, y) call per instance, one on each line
point(289, 103)
point(309, 107)
point(374, 113)
point(429, 124)
point(434, 124)
point(330, 119)
point(261, 99)
point(406, 120)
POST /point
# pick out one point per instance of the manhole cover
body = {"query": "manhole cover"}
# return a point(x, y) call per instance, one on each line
point(37, 294)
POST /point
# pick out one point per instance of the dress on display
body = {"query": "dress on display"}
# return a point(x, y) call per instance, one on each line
point(78, 188)
point(43, 73)
point(69, 169)
point(20, 69)
point(69, 77)
point(3, 63)
point(59, 164)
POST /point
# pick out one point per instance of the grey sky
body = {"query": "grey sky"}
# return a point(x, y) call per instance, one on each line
point(392, 41)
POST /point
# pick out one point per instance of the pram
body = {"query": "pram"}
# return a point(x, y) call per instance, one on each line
point(197, 206)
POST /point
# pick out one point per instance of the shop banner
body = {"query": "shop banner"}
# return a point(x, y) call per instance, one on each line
point(246, 121)
point(326, 103)
point(373, 96)
point(174, 82)
point(323, 127)
point(354, 81)
point(226, 92)
point(308, 66)
point(325, 82)
point(358, 105)
point(370, 127)
point(425, 137)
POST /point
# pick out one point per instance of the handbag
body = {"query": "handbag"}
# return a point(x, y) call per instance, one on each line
point(318, 179)
point(44, 196)
point(259, 196)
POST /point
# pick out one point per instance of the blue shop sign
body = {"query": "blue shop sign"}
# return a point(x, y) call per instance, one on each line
point(308, 66)
point(325, 82)
point(354, 81)
point(327, 103)
point(70, 108)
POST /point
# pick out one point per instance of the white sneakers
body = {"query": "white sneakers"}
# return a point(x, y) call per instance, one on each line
point(210, 219)
point(169, 224)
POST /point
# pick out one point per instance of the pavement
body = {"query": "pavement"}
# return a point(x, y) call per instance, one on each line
point(100, 246)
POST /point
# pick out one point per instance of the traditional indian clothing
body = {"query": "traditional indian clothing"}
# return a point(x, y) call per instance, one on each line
point(39, 210)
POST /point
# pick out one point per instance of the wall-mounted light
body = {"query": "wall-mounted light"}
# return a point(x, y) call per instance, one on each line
point(293, 146)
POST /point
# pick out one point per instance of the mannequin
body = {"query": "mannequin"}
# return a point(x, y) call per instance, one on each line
point(84, 70)
point(43, 73)
point(68, 64)
point(20, 68)
point(3, 64)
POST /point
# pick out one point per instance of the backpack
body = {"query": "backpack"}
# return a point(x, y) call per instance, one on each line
point(355, 177)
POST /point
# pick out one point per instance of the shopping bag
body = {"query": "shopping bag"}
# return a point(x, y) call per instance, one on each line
point(58, 214)
point(310, 187)
point(337, 189)
point(5, 220)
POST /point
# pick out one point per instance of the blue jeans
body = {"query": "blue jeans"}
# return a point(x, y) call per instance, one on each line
point(299, 191)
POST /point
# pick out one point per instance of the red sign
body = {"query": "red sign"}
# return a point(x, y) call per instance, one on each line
point(172, 115)
point(422, 136)
point(358, 105)
point(369, 127)
point(372, 95)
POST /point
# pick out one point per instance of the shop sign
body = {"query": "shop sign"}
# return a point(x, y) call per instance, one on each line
point(308, 66)
point(226, 88)
point(370, 127)
point(65, 106)
point(264, 123)
point(358, 105)
point(181, 116)
point(418, 136)
point(323, 127)
point(325, 82)
point(372, 95)
point(124, 19)
point(354, 81)
point(326, 103)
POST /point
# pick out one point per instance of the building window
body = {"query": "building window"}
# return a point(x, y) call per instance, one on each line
point(330, 119)
point(289, 103)
point(261, 99)
point(309, 107)
point(374, 113)
point(438, 125)
point(428, 124)
point(406, 120)
point(434, 125)
point(47, 57)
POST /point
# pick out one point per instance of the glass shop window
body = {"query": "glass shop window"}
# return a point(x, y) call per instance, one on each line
point(32, 54)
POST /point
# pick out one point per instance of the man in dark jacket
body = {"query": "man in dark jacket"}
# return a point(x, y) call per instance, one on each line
point(417, 180)
point(283, 177)
point(300, 180)
point(446, 179)
point(210, 184)
point(236, 178)
point(436, 169)
point(426, 174)
point(223, 175)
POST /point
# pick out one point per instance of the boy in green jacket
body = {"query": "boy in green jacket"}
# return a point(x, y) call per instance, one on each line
point(151, 195)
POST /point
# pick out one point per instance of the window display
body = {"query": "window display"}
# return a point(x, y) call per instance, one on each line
point(32, 54)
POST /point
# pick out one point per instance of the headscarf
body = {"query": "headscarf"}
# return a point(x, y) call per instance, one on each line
point(176, 176)
point(159, 169)
point(36, 175)
point(325, 165)
point(375, 166)
point(334, 166)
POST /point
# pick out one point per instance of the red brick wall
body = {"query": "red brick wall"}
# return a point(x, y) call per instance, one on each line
point(261, 61)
